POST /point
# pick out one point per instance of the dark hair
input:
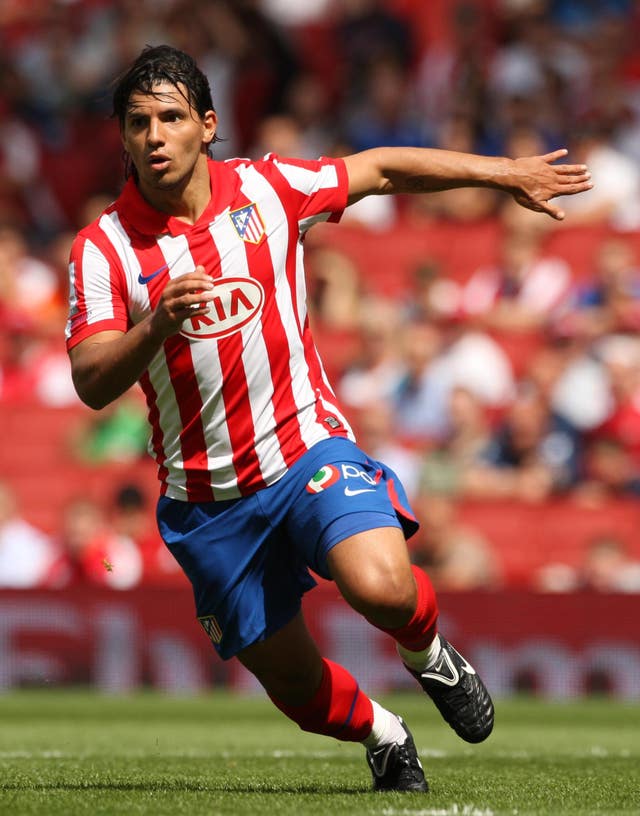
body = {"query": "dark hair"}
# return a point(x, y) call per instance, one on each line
point(157, 64)
point(130, 497)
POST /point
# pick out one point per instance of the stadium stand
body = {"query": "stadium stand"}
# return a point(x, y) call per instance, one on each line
point(473, 71)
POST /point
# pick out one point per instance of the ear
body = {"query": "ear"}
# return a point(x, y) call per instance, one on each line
point(210, 125)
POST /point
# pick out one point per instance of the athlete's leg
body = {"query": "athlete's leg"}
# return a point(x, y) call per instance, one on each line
point(288, 664)
point(374, 574)
point(324, 698)
point(319, 695)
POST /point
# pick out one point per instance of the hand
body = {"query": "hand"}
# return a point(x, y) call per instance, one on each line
point(536, 180)
point(182, 297)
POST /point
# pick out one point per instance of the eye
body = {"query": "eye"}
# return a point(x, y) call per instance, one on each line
point(136, 122)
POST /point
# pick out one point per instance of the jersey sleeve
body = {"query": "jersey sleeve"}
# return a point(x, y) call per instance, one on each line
point(318, 189)
point(96, 293)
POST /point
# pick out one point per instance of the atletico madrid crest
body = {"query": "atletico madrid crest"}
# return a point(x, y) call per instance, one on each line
point(248, 223)
point(211, 627)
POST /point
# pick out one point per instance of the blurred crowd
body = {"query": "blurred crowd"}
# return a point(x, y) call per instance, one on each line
point(111, 544)
point(429, 376)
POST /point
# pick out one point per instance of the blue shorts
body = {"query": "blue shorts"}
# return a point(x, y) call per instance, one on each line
point(248, 559)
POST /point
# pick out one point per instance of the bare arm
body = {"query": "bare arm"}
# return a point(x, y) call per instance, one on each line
point(532, 181)
point(108, 363)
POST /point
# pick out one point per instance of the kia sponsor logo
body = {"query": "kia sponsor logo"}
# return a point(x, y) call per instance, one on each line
point(236, 302)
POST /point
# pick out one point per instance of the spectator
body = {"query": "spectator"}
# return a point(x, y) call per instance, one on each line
point(621, 357)
point(462, 205)
point(287, 13)
point(279, 134)
point(433, 295)
point(573, 380)
point(609, 300)
point(132, 522)
point(469, 355)
point(436, 360)
point(535, 74)
point(335, 290)
point(521, 293)
point(532, 455)
point(94, 552)
point(368, 32)
point(615, 197)
point(607, 567)
point(29, 287)
point(609, 472)
point(379, 437)
point(444, 467)
point(457, 556)
point(374, 374)
point(27, 554)
point(451, 75)
point(420, 395)
point(490, 76)
point(308, 103)
point(23, 196)
point(384, 115)
point(117, 433)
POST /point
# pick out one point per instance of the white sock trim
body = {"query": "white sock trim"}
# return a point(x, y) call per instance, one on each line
point(386, 728)
point(419, 661)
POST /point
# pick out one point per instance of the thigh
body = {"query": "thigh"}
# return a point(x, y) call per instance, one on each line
point(348, 495)
point(246, 580)
point(288, 663)
point(373, 572)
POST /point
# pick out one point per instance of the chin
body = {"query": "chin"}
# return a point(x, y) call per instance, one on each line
point(164, 183)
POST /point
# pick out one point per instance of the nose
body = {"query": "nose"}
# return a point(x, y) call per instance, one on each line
point(154, 135)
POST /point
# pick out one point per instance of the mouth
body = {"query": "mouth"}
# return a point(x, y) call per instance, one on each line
point(158, 162)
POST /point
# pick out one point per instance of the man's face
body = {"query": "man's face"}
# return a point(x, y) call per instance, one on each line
point(165, 137)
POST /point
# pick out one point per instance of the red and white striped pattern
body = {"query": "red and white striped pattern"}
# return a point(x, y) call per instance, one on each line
point(229, 414)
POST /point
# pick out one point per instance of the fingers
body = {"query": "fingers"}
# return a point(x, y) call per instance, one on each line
point(552, 209)
point(573, 188)
point(192, 278)
point(187, 294)
point(572, 170)
point(570, 180)
point(190, 301)
point(543, 206)
point(555, 155)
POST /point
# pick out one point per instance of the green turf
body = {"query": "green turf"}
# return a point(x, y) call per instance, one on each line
point(67, 753)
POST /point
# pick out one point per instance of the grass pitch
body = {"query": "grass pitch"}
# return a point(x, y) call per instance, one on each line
point(64, 753)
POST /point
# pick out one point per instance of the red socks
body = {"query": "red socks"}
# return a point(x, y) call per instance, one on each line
point(338, 708)
point(420, 631)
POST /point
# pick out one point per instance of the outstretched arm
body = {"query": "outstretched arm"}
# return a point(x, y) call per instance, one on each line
point(532, 180)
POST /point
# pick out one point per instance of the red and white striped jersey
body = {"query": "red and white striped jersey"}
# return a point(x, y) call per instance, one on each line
point(240, 394)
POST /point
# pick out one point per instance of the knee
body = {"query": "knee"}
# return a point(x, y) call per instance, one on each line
point(384, 594)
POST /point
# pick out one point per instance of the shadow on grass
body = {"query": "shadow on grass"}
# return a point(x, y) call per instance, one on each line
point(190, 787)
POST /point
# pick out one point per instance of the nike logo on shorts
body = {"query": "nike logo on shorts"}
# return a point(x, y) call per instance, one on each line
point(146, 278)
point(349, 492)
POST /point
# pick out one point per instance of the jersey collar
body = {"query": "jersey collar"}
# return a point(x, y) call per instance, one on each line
point(145, 219)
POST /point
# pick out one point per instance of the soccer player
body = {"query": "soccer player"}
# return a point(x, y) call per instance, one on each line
point(192, 282)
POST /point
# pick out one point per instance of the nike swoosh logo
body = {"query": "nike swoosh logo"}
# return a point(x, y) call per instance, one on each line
point(349, 492)
point(380, 758)
point(437, 673)
point(466, 666)
point(146, 278)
